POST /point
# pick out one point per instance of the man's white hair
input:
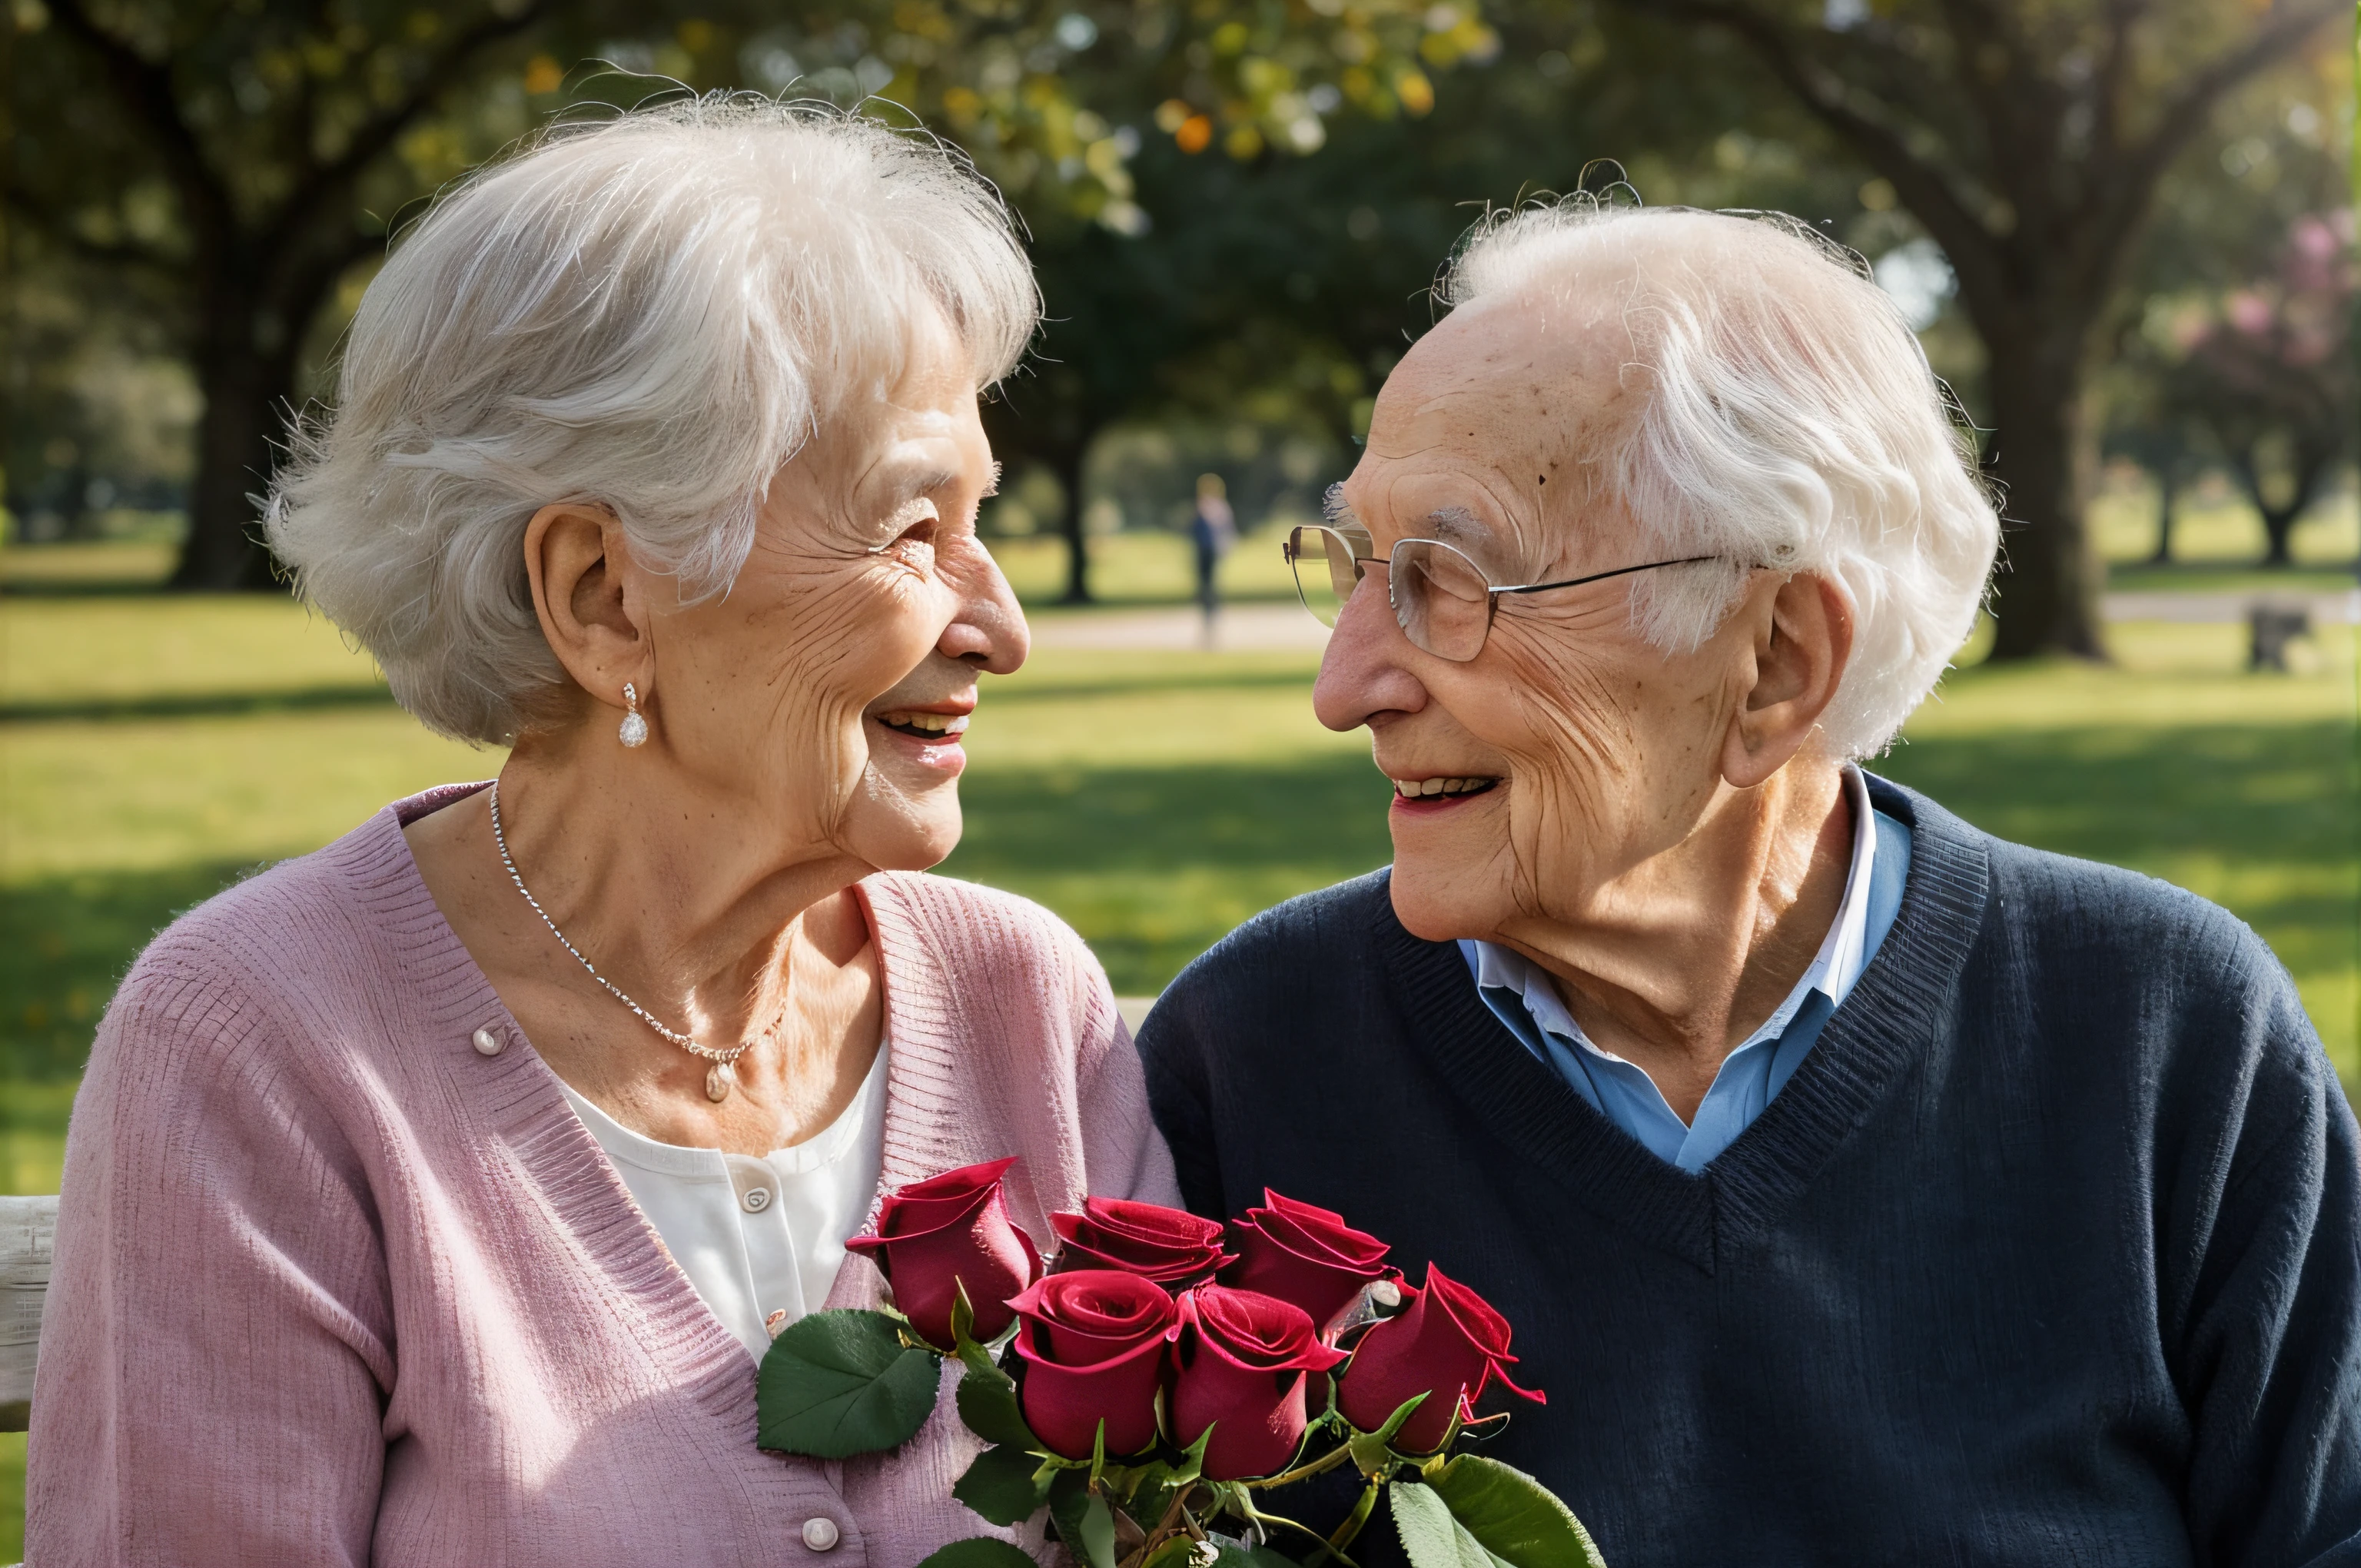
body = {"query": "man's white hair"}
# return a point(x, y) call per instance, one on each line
point(652, 313)
point(1790, 421)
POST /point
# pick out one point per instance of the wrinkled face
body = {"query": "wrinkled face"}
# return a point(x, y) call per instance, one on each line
point(1568, 751)
point(830, 688)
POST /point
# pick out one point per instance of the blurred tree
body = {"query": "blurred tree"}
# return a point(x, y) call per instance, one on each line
point(254, 149)
point(2221, 222)
point(1188, 105)
point(2153, 431)
point(248, 150)
point(1292, 282)
point(2270, 377)
point(2029, 139)
point(99, 406)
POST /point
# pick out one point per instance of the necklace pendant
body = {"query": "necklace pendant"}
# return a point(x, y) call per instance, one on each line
point(719, 1080)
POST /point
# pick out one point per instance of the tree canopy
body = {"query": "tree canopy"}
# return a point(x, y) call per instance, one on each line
point(1235, 209)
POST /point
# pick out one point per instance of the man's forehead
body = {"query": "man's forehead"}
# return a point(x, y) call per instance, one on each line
point(1507, 375)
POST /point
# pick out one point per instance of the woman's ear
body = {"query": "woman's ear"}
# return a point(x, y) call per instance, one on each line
point(1800, 650)
point(590, 610)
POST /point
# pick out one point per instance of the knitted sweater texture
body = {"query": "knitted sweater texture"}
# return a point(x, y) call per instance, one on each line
point(2048, 1254)
point(332, 1287)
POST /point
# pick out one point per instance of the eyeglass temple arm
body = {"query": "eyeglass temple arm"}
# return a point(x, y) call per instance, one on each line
point(1602, 577)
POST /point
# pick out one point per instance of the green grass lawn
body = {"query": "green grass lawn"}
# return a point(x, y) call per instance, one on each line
point(153, 750)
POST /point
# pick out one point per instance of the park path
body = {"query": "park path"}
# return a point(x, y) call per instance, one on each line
point(1251, 627)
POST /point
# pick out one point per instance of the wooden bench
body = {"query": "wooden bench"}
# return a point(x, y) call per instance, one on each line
point(27, 1225)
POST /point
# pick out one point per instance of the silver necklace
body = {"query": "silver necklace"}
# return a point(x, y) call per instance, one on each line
point(720, 1078)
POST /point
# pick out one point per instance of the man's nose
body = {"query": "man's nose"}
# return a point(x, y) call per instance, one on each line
point(1361, 673)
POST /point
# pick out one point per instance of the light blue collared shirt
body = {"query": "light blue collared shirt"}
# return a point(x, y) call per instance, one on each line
point(1522, 995)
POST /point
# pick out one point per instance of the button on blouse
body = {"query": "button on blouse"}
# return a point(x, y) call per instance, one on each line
point(756, 1237)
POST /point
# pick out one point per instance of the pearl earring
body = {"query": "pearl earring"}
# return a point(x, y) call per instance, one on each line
point(635, 730)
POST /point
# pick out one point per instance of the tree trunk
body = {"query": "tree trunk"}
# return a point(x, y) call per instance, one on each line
point(2168, 491)
point(245, 371)
point(2047, 590)
point(1068, 467)
point(2278, 522)
point(2278, 526)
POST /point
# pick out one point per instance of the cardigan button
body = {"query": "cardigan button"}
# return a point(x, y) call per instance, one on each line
point(820, 1534)
point(489, 1044)
point(756, 1199)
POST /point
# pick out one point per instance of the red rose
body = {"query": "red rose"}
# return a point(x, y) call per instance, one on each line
point(1447, 1344)
point(1303, 1254)
point(1168, 1245)
point(1239, 1361)
point(1093, 1341)
point(951, 1228)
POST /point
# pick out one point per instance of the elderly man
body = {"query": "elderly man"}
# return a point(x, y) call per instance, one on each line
point(1861, 1189)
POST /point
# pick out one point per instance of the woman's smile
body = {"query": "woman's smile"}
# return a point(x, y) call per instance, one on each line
point(928, 736)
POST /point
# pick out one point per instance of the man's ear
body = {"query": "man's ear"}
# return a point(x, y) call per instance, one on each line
point(1800, 648)
point(589, 606)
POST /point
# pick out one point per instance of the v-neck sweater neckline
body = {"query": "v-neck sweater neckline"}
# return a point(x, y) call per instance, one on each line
point(530, 1098)
point(1867, 1047)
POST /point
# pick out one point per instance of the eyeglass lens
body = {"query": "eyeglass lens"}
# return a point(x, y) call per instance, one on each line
point(1326, 571)
point(1441, 598)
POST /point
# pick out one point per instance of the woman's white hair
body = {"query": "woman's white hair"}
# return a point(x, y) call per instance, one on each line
point(1790, 421)
point(652, 313)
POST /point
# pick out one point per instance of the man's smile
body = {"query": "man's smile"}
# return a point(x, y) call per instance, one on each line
point(1441, 789)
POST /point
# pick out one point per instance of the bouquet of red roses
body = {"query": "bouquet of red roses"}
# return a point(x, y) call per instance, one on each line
point(1166, 1374)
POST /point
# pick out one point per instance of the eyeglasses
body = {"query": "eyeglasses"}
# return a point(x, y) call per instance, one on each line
point(1441, 598)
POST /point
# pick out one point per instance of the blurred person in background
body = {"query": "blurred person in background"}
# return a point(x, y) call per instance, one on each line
point(1213, 529)
point(430, 1198)
point(1862, 1188)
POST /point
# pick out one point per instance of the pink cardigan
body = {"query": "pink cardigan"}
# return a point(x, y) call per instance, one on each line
point(330, 1286)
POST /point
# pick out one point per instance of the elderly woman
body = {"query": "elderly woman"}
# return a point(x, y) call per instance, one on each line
point(1862, 1189)
point(430, 1198)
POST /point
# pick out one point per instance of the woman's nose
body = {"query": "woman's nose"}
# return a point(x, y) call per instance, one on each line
point(989, 629)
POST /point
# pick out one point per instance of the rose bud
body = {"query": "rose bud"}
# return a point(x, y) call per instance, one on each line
point(1303, 1254)
point(1239, 1363)
point(1093, 1344)
point(1171, 1246)
point(1448, 1343)
point(946, 1231)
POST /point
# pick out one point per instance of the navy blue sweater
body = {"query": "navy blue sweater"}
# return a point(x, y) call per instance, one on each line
point(2048, 1254)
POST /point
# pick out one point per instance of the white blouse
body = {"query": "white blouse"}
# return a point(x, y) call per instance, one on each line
point(756, 1236)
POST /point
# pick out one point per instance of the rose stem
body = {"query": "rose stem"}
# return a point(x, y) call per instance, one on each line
point(1164, 1530)
point(1320, 1466)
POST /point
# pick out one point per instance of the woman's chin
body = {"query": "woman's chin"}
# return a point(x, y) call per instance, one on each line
point(916, 835)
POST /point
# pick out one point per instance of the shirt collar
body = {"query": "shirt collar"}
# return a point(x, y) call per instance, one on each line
point(1833, 971)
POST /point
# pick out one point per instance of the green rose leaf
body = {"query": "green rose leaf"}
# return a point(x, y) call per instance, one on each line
point(1513, 1517)
point(840, 1383)
point(1430, 1536)
point(979, 1551)
point(1237, 1554)
point(1000, 1485)
point(1097, 1533)
point(987, 1403)
point(1069, 1498)
point(1173, 1553)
